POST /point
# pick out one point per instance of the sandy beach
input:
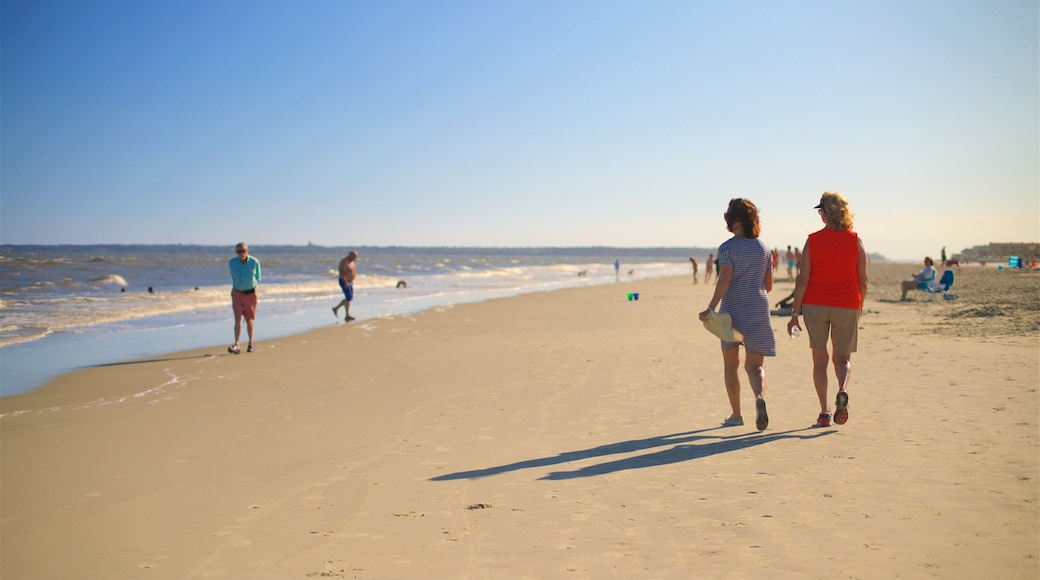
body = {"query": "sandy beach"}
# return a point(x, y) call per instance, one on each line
point(565, 434)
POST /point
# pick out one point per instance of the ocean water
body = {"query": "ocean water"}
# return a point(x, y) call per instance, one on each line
point(68, 307)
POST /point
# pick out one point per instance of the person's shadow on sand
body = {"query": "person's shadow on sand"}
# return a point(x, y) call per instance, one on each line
point(144, 361)
point(685, 452)
point(682, 449)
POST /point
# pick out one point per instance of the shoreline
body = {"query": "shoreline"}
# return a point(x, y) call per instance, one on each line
point(569, 432)
point(30, 364)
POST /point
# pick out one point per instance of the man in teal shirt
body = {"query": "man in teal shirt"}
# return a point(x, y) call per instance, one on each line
point(245, 275)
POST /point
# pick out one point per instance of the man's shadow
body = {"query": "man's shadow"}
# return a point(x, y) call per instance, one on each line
point(681, 449)
point(146, 361)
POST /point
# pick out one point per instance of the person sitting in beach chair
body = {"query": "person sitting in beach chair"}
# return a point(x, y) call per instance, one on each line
point(921, 280)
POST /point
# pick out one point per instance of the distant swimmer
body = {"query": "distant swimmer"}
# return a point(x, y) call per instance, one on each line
point(402, 284)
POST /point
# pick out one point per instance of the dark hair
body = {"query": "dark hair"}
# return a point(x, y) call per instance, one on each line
point(746, 213)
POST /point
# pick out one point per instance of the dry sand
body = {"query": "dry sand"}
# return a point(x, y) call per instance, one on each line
point(570, 434)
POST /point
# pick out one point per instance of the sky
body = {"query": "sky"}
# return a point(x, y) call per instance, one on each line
point(517, 123)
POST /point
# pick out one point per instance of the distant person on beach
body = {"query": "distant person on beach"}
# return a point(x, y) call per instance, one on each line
point(693, 264)
point(617, 270)
point(829, 293)
point(919, 280)
point(347, 273)
point(245, 275)
point(783, 308)
point(943, 263)
point(790, 264)
point(742, 286)
point(708, 267)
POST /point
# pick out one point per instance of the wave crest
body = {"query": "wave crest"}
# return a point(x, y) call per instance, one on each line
point(110, 280)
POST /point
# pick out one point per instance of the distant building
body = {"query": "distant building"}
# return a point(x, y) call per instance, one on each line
point(998, 252)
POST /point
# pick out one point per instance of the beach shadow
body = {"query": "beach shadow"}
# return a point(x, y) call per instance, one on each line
point(732, 442)
point(686, 452)
point(151, 360)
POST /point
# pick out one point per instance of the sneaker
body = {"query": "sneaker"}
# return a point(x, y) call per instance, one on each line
point(249, 348)
point(761, 417)
point(733, 422)
point(349, 318)
point(233, 349)
point(841, 408)
point(824, 420)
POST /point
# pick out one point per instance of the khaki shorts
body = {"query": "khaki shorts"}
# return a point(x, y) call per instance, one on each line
point(841, 325)
point(243, 304)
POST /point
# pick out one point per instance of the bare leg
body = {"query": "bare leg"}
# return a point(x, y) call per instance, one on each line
point(249, 329)
point(819, 375)
point(238, 329)
point(756, 374)
point(335, 309)
point(757, 377)
point(907, 286)
point(731, 366)
point(843, 370)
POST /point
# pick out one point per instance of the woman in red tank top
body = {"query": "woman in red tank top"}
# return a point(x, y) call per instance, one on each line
point(829, 293)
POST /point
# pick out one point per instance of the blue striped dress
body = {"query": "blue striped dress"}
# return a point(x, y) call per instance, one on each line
point(746, 299)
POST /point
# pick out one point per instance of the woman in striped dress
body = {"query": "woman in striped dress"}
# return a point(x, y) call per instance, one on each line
point(745, 278)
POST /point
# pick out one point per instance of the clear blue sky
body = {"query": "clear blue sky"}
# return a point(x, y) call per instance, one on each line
point(517, 123)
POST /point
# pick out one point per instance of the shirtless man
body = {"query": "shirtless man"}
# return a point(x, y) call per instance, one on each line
point(347, 273)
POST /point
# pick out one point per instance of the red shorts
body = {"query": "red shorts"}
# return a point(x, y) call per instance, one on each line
point(243, 304)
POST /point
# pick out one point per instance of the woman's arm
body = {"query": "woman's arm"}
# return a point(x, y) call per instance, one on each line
point(861, 271)
point(721, 285)
point(800, 284)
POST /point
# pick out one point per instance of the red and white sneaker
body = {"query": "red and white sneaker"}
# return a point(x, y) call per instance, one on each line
point(841, 408)
point(824, 420)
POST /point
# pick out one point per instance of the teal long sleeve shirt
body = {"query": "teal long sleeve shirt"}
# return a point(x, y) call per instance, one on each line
point(246, 276)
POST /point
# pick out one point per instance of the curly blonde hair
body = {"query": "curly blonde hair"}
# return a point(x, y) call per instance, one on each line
point(836, 210)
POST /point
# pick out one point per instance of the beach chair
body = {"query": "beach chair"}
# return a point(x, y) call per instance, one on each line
point(926, 283)
point(941, 287)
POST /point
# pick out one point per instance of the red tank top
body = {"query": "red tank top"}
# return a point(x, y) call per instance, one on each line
point(834, 277)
